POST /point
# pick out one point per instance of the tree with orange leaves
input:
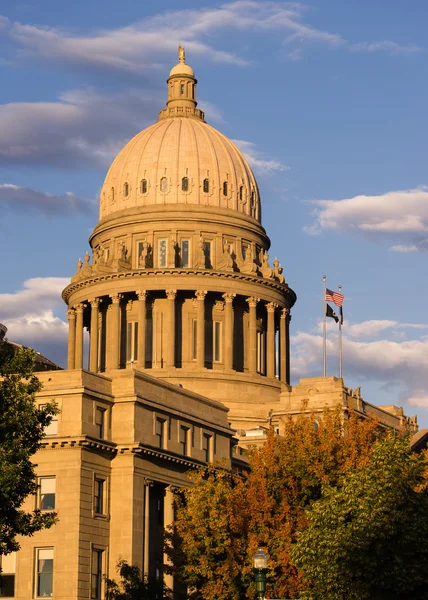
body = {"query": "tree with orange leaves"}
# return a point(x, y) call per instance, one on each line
point(223, 517)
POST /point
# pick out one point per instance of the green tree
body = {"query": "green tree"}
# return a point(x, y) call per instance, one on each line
point(133, 586)
point(21, 432)
point(367, 538)
point(223, 518)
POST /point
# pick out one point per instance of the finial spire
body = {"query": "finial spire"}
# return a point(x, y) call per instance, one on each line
point(181, 55)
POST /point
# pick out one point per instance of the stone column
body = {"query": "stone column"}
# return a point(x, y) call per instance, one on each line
point(287, 348)
point(71, 316)
point(142, 297)
point(200, 337)
point(93, 336)
point(228, 330)
point(283, 349)
point(78, 364)
point(115, 326)
point(168, 519)
point(170, 329)
point(271, 307)
point(252, 335)
point(146, 526)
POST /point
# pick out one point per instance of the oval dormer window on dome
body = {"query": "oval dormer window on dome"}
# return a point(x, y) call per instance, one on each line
point(126, 189)
point(185, 184)
point(144, 186)
point(206, 186)
point(225, 188)
point(163, 184)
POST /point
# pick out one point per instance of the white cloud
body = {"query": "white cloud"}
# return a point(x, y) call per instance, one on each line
point(258, 160)
point(13, 197)
point(387, 46)
point(36, 296)
point(399, 365)
point(401, 216)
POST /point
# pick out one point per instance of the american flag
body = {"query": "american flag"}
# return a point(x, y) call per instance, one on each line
point(334, 297)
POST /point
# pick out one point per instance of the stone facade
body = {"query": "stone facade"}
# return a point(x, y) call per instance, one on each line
point(188, 342)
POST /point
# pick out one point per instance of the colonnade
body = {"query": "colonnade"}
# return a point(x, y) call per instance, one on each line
point(274, 317)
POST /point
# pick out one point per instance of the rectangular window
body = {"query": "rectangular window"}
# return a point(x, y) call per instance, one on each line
point(217, 341)
point(46, 493)
point(8, 569)
point(208, 254)
point(207, 446)
point(185, 253)
point(184, 437)
point(96, 574)
point(44, 572)
point(100, 421)
point(160, 432)
point(52, 428)
point(132, 341)
point(162, 252)
point(99, 490)
point(244, 251)
point(194, 339)
point(260, 352)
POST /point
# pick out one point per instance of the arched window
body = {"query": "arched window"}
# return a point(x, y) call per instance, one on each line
point(225, 188)
point(241, 192)
point(163, 184)
point(185, 184)
point(144, 186)
point(182, 89)
point(206, 186)
point(126, 189)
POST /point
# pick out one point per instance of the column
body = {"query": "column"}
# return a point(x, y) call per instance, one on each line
point(170, 329)
point(252, 335)
point(142, 297)
point(79, 336)
point(200, 336)
point(93, 336)
point(287, 348)
point(71, 316)
point(270, 307)
point(115, 326)
point(283, 350)
point(228, 330)
point(146, 526)
point(168, 520)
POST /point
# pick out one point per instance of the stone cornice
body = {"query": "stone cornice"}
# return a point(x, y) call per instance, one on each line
point(179, 272)
point(144, 450)
point(55, 442)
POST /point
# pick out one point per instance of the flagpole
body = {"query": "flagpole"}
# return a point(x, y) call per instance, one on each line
point(340, 338)
point(324, 330)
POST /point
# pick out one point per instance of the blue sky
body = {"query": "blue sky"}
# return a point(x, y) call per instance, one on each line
point(328, 101)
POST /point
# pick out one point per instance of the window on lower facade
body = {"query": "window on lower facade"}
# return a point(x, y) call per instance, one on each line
point(99, 496)
point(96, 574)
point(184, 437)
point(132, 341)
point(100, 417)
point(46, 493)
point(8, 569)
point(217, 341)
point(52, 428)
point(207, 446)
point(185, 253)
point(160, 432)
point(162, 252)
point(44, 572)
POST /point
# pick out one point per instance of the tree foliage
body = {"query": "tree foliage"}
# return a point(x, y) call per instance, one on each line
point(367, 538)
point(21, 432)
point(133, 586)
point(223, 518)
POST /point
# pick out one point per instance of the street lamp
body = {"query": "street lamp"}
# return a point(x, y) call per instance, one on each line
point(260, 567)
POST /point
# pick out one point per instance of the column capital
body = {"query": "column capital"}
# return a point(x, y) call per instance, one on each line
point(271, 307)
point(116, 298)
point(71, 314)
point(95, 302)
point(172, 489)
point(142, 294)
point(252, 301)
point(285, 312)
point(228, 298)
point(80, 307)
point(200, 294)
point(171, 294)
point(148, 482)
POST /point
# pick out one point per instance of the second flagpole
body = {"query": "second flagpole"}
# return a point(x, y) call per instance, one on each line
point(340, 337)
point(324, 329)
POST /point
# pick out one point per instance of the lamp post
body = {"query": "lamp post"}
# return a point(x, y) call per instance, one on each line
point(260, 567)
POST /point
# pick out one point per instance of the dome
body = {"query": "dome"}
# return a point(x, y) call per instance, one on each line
point(180, 160)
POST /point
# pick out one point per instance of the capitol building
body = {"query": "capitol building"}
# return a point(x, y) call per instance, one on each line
point(187, 360)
